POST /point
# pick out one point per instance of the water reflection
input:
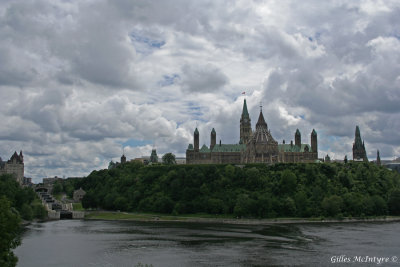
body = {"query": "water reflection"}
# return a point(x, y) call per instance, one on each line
point(107, 243)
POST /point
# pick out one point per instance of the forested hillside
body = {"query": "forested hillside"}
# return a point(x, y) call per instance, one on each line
point(256, 191)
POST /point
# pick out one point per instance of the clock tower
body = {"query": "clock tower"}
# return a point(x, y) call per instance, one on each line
point(245, 125)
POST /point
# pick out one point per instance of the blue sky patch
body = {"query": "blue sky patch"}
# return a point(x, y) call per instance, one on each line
point(150, 42)
point(135, 143)
point(168, 80)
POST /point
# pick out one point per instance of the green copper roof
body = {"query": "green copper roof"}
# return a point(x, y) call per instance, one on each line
point(245, 113)
point(196, 131)
point(204, 148)
point(357, 139)
point(213, 130)
point(297, 132)
point(229, 148)
point(358, 131)
point(190, 147)
point(314, 132)
point(293, 148)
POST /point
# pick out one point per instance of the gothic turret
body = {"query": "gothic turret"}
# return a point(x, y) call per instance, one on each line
point(297, 138)
point(314, 142)
point(213, 138)
point(245, 125)
point(153, 156)
point(359, 147)
point(378, 158)
point(196, 140)
point(123, 159)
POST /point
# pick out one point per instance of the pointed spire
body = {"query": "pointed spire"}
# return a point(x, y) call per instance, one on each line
point(359, 146)
point(313, 132)
point(378, 158)
point(245, 113)
point(297, 132)
point(261, 121)
point(196, 131)
point(213, 130)
point(357, 132)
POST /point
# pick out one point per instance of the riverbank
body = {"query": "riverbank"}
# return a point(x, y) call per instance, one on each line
point(206, 218)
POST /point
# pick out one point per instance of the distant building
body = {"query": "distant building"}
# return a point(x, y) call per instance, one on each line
point(123, 159)
point(359, 153)
point(254, 146)
point(144, 159)
point(327, 158)
point(14, 166)
point(378, 158)
point(113, 164)
point(180, 160)
point(153, 156)
point(52, 180)
point(79, 194)
point(27, 181)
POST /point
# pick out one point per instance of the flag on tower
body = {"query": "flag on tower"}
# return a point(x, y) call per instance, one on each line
point(243, 93)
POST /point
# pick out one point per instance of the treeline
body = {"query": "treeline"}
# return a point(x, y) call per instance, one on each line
point(257, 190)
point(16, 203)
point(67, 186)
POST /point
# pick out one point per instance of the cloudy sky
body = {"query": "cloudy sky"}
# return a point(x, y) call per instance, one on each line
point(80, 80)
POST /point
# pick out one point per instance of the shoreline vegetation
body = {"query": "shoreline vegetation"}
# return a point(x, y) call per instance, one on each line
point(220, 219)
point(281, 190)
point(18, 207)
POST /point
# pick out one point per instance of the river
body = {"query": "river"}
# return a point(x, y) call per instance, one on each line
point(127, 243)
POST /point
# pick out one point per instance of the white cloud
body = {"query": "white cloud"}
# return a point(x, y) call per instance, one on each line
point(78, 79)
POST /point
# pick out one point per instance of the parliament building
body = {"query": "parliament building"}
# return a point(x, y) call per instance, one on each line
point(255, 146)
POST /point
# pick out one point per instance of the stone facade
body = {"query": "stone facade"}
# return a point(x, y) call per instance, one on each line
point(79, 194)
point(14, 166)
point(254, 146)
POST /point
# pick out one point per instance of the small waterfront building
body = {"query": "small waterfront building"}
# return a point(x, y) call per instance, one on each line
point(79, 194)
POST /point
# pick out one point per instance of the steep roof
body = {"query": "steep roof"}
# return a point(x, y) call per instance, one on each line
point(204, 148)
point(358, 143)
point(245, 113)
point(261, 121)
point(229, 148)
point(293, 148)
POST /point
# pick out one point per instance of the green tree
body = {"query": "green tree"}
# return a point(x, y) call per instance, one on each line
point(9, 233)
point(302, 204)
point(121, 203)
point(39, 211)
point(57, 188)
point(229, 171)
point(332, 205)
point(89, 200)
point(215, 206)
point(288, 182)
point(288, 207)
point(26, 212)
point(244, 206)
point(394, 202)
point(168, 159)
